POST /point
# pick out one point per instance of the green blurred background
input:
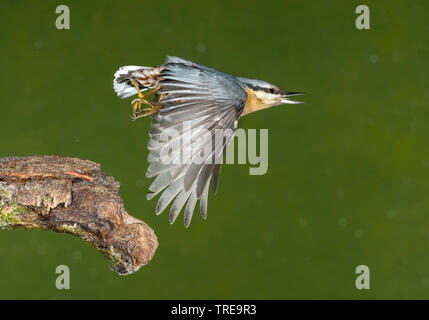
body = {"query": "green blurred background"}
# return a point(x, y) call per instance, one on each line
point(348, 174)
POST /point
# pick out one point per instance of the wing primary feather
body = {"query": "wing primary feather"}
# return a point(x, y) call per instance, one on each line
point(189, 210)
point(195, 169)
point(215, 176)
point(178, 204)
point(204, 178)
point(204, 200)
point(160, 182)
point(168, 195)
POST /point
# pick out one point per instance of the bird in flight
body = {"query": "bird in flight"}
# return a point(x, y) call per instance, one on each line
point(207, 99)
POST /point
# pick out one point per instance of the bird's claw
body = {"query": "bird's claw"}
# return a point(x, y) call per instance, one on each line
point(138, 112)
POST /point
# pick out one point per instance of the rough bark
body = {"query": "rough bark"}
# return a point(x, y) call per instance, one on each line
point(74, 196)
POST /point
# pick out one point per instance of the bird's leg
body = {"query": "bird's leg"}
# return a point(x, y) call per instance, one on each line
point(137, 103)
point(138, 112)
point(147, 111)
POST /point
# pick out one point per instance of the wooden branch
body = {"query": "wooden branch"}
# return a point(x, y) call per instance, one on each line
point(74, 196)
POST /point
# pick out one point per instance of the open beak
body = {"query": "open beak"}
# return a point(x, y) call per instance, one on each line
point(290, 94)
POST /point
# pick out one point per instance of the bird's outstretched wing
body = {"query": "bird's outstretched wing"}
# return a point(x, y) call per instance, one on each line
point(199, 111)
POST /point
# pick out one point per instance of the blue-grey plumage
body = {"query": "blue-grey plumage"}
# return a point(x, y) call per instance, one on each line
point(207, 98)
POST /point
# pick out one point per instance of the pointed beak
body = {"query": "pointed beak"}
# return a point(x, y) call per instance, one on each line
point(290, 94)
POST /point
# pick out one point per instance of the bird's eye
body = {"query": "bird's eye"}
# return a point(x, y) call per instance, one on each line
point(271, 90)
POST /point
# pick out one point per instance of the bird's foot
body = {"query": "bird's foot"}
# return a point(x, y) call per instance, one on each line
point(138, 111)
point(137, 105)
point(146, 111)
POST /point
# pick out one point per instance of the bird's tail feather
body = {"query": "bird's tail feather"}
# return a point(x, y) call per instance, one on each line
point(145, 77)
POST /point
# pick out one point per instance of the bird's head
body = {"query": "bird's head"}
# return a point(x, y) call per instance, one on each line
point(262, 95)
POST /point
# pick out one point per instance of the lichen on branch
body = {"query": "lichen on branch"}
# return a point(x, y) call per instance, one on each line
point(74, 196)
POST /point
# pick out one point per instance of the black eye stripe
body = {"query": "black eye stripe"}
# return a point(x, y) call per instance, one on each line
point(268, 90)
